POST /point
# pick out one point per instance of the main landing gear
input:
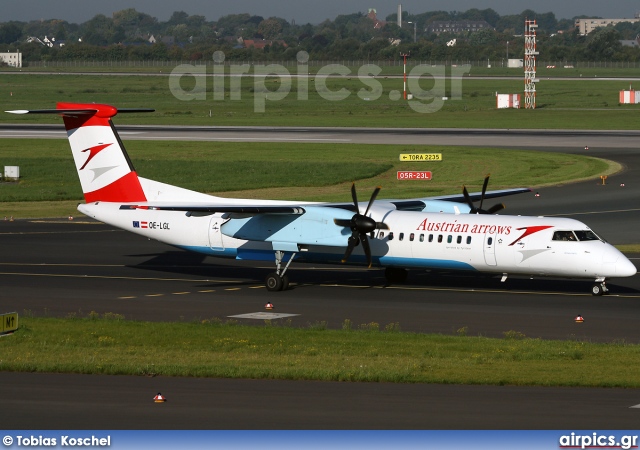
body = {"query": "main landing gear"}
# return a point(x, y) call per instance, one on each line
point(599, 288)
point(278, 281)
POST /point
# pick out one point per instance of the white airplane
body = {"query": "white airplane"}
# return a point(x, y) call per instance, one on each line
point(446, 232)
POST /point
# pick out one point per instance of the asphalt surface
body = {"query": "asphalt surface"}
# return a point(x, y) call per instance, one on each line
point(61, 267)
point(568, 140)
point(40, 401)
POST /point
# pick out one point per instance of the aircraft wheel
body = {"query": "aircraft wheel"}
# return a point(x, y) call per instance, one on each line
point(285, 283)
point(273, 282)
point(396, 274)
point(597, 289)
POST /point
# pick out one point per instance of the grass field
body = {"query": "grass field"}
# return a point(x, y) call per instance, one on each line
point(288, 171)
point(369, 352)
point(585, 104)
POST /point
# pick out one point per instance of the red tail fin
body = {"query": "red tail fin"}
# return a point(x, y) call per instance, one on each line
point(104, 168)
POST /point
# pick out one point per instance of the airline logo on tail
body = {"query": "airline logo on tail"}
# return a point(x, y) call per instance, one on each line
point(93, 151)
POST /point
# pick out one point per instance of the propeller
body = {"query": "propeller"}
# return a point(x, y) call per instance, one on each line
point(360, 226)
point(494, 209)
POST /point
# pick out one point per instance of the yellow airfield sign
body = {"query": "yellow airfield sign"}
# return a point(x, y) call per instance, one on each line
point(9, 322)
point(419, 157)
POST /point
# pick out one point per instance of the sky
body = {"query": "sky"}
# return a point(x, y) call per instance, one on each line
point(302, 11)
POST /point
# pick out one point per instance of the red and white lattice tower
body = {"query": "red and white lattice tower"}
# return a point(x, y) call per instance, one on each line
point(530, 54)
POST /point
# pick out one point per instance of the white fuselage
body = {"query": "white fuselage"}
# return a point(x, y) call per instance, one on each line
point(474, 242)
point(428, 233)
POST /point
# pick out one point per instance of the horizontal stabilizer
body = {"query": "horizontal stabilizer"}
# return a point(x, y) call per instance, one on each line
point(75, 112)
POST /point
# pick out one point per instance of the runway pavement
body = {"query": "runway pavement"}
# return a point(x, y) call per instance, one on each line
point(59, 267)
point(569, 140)
point(58, 401)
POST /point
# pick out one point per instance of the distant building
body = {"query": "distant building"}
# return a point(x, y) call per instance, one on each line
point(586, 26)
point(630, 43)
point(12, 59)
point(168, 40)
point(377, 23)
point(457, 26)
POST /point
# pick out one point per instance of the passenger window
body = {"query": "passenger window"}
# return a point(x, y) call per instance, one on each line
point(421, 237)
point(391, 235)
point(439, 238)
point(401, 236)
point(468, 239)
point(431, 238)
point(449, 239)
point(459, 240)
point(411, 236)
point(381, 235)
point(490, 241)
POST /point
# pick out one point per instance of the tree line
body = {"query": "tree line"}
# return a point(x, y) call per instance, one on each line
point(126, 36)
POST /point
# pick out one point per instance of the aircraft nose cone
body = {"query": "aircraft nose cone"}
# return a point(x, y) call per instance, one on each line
point(625, 268)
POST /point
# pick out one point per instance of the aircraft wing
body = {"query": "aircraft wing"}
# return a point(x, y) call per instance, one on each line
point(478, 195)
point(440, 202)
point(246, 210)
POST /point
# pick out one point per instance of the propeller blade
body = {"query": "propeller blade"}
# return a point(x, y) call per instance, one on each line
point(355, 197)
point(381, 226)
point(468, 199)
point(365, 246)
point(353, 241)
point(342, 222)
point(484, 189)
point(495, 208)
point(373, 197)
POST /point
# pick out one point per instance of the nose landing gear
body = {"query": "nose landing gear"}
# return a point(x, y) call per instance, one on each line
point(599, 288)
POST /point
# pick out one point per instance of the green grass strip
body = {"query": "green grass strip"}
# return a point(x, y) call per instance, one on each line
point(292, 171)
point(586, 104)
point(109, 344)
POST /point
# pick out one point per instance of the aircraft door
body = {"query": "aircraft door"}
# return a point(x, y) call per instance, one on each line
point(490, 249)
point(215, 235)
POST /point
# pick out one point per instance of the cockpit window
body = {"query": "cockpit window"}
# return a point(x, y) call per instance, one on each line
point(587, 235)
point(564, 236)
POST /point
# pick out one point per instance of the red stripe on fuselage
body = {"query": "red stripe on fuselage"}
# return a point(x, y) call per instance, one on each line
point(126, 189)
